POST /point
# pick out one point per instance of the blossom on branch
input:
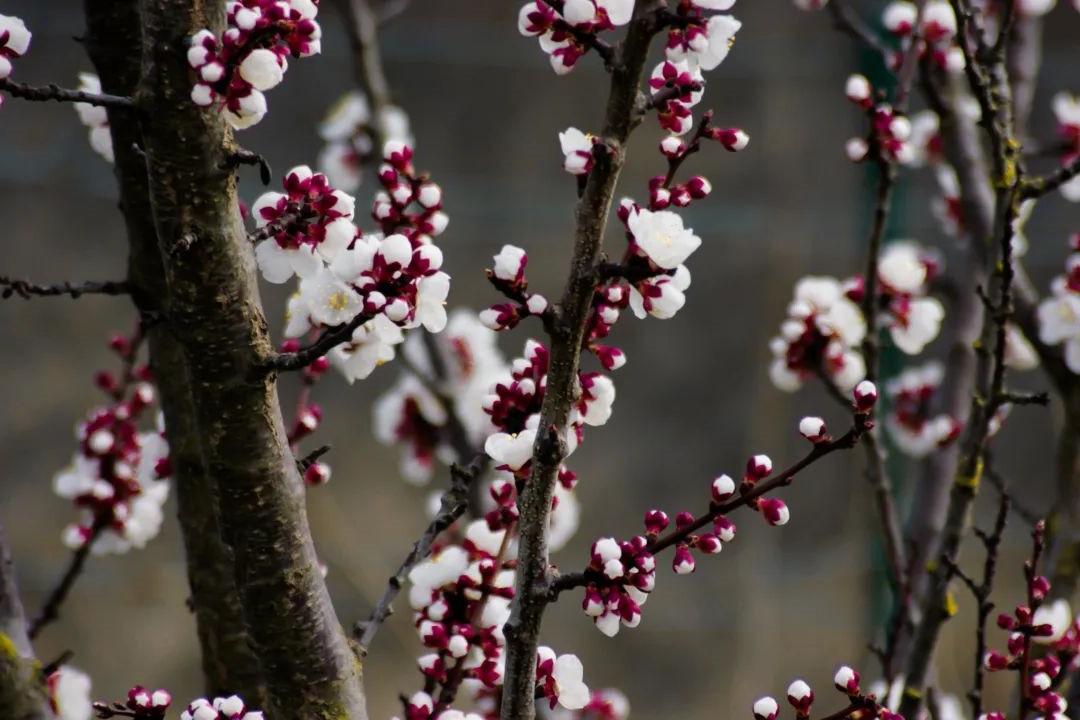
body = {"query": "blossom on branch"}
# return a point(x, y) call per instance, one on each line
point(250, 57)
point(14, 42)
point(119, 476)
point(821, 334)
point(221, 708)
point(1059, 314)
point(910, 422)
point(69, 693)
point(95, 117)
point(1066, 108)
point(568, 29)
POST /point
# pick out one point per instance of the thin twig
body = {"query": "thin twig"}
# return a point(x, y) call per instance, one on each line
point(50, 611)
point(330, 339)
point(25, 289)
point(455, 502)
point(56, 93)
point(846, 20)
point(1039, 186)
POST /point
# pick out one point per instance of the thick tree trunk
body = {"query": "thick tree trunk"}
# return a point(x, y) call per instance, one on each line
point(22, 688)
point(216, 315)
point(114, 42)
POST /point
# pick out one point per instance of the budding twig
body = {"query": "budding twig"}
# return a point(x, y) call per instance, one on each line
point(861, 424)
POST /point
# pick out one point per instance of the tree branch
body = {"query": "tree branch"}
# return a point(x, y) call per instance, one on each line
point(861, 425)
point(59, 94)
point(523, 627)
point(846, 20)
point(25, 289)
point(361, 25)
point(990, 85)
point(1039, 186)
point(455, 502)
point(216, 315)
point(113, 41)
point(50, 611)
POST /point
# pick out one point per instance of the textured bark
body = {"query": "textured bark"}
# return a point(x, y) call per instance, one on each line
point(113, 41)
point(22, 688)
point(531, 598)
point(216, 315)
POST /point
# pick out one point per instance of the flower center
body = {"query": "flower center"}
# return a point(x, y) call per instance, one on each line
point(338, 301)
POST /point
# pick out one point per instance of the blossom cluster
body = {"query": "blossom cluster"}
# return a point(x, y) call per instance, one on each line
point(825, 325)
point(95, 118)
point(14, 42)
point(118, 478)
point(890, 130)
point(1040, 621)
point(621, 574)
point(822, 333)
point(801, 698)
point(514, 403)
point(416, 412)
point(349, 131)
point(391, 280)
point(250, 57)
point(567, 29)
point(1059, 314)
point(910, 421)
point(221, 708)
point(144, 704)
point(461, 597)
point(1067, 111)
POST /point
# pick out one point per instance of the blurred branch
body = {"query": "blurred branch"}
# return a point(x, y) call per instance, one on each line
point(25, 289)
point(50, 611)
point(848, 21)
point(22, 688)
point(1039, 186)
point(981, 591)
point(361, 25)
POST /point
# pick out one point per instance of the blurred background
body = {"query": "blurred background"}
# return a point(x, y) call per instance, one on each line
point(693, 401)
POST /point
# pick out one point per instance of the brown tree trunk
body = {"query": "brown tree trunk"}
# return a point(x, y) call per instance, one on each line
point(114, 42)
point(216, 317)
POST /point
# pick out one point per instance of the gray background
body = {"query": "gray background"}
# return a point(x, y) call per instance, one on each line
point(693, 401)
